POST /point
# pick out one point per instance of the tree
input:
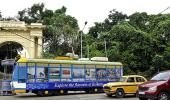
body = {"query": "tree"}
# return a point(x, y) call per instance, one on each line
point(155, 19)
point(114, 18)
point(140, 21)
point(139, 42)
point(134, 46)
point(33, 14)
point(162, 31)
point(166, 59)
point(61, 30)
point(158, 62)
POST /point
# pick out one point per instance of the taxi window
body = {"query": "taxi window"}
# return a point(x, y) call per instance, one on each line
point(131, 79)
point(140, 79)
point(123, 79)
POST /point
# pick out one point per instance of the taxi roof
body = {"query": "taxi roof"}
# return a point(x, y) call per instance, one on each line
point(132, 76)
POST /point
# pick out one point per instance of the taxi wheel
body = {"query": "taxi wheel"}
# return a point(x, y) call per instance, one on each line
point(163, 96)
point(120, 93)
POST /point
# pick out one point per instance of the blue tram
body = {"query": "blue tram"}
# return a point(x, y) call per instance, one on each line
point(49, 76)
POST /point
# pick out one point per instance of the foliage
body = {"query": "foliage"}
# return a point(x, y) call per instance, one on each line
point(114, 18)
point(166, 58)
point(61, 31)
point(140, 21)
point(140, 41)
point(33, 14)
point(134, 45)
point(64, 31)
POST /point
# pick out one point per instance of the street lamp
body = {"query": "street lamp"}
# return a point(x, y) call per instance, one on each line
point(81, 32)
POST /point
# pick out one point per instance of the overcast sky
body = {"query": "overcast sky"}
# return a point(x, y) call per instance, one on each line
point(88, 10)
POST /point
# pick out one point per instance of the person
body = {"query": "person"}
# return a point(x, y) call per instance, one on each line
point(17, 57)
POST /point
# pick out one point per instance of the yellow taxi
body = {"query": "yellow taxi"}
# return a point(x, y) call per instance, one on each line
point(126, 85)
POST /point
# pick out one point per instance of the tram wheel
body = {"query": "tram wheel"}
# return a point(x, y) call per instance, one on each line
point(63, 92)
point(40, 93)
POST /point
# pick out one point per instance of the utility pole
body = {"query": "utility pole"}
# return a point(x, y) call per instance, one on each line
point(87, 51)
point(81, 32)
point(105, 46)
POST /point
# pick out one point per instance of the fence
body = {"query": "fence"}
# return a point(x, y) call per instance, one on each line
point(5, 87)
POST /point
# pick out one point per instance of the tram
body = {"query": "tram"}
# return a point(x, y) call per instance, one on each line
point(55, 77)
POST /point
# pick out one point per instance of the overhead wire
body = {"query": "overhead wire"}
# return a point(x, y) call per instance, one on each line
point(164, 10)
point(26, 38)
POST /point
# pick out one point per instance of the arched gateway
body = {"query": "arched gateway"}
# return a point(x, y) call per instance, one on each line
point(29, 36)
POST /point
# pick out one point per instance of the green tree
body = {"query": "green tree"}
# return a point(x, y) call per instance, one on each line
point(136, 42)
point(114, 18)
point(61, 31)
point(33, 14)
point(158, 62)
point(155, 19)
point(134, 46)
point(162, 31)
point(140, 21)
point(166, 59)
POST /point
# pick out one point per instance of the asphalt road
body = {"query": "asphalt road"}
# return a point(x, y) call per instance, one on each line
point(70, 96)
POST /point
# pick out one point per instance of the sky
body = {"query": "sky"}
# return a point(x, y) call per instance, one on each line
point(88, 10)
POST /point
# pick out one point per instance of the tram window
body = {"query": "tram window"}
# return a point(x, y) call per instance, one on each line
point(31, 74)
point(66, 74)
point(78, 73)
point(110, 73)
point(90, 74)
point(101, 74)
point(42, 74)
point(54, 74)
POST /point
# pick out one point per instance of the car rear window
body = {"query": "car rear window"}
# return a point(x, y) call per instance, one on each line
point(163, 76)
point(139, 79)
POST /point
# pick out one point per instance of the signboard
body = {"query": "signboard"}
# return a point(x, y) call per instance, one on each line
point(63, 85)
point(8, 62)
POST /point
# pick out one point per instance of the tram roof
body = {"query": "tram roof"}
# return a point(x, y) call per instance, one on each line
point(53, 61)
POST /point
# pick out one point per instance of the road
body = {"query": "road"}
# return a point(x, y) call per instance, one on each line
point(71, 96)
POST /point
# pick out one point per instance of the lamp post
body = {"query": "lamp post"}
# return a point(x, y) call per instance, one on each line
point(105, 46)
point(81, 32)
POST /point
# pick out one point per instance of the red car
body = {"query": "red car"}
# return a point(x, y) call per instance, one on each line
point(158, 88)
